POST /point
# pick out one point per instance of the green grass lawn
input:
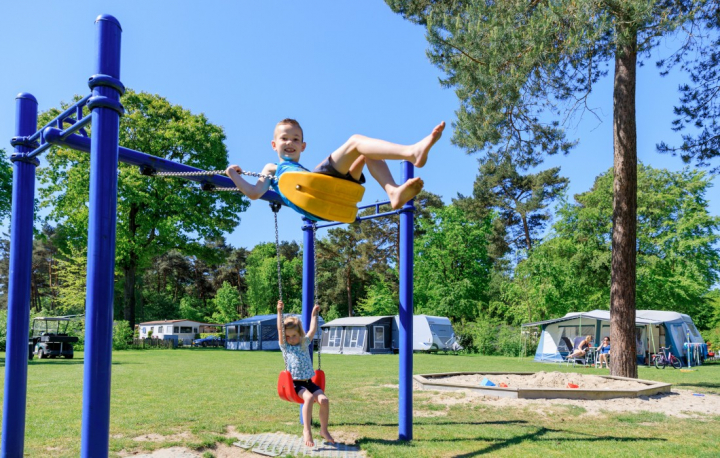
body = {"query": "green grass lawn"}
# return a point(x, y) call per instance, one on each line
point(195, 394)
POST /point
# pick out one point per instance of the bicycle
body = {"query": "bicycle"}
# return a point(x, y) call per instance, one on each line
point(662, 359)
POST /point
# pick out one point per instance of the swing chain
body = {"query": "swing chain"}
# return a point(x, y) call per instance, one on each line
point(275, 208)
point(204, 173)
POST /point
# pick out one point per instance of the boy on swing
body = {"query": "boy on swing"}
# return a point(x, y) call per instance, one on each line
point(346, 162)
point(294, 346)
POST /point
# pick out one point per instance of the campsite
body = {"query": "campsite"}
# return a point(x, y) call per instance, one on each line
point(198, 401)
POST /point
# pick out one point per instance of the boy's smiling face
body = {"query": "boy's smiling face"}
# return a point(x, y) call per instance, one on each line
point(288, 142)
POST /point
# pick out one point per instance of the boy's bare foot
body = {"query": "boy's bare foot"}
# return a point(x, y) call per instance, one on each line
point(307, 435)
point(326, 435)
point(426, 143)
point(400, 195)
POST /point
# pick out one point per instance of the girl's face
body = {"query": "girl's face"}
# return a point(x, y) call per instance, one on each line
point(292, 337)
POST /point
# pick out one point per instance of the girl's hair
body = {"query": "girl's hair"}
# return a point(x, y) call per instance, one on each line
point(293, 322)
point(588, 337)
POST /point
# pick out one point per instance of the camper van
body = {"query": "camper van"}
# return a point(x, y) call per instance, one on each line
point(430, 333)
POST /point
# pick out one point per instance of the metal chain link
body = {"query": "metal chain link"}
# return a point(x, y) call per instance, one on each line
point(204, 173)
point(277, 251)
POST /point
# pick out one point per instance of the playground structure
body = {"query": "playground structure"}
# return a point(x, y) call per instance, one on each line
point(105, 153)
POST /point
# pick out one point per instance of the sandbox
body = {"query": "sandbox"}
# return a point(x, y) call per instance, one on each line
point(542, 385)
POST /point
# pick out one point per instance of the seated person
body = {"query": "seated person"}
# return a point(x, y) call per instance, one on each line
point(581, 349)
point(604, 352)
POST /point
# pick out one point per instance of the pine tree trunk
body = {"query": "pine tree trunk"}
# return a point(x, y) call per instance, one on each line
point(623, 361)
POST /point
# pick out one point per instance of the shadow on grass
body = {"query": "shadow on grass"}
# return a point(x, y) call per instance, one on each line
point(537, 436)
point(699, 384)
point(433, 422)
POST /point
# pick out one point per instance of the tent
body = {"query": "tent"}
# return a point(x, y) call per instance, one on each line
point(349, 335)
point(430, 333)
point(361, 335)
point(654, 329)
point(257, 333)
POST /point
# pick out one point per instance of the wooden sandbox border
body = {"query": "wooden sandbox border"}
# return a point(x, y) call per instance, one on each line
point(430, 382)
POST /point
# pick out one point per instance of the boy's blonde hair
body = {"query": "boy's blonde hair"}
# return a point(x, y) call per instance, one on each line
point(293, 322)
point(292, 122)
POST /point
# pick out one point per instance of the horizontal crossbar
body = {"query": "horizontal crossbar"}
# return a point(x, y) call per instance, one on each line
point(68, 111)
point(132, 157)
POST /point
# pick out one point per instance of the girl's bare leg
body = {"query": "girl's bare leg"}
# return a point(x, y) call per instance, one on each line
point(373, 148)
point(307, 418)
point(398, 195)
point(324, 416)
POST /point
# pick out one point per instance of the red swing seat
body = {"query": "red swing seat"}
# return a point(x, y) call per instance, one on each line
point(286, 389)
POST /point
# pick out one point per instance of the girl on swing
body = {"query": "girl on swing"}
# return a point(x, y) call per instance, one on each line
point(295, 347)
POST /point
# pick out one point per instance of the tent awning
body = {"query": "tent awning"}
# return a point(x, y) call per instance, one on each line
point(641, 317)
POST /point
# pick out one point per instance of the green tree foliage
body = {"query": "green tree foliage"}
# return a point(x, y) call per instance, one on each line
point(71, 280)
point(677, 255)
point(227, 305)
point(520, 200)
point(699, 109)
point(518, 66)
point(5, 185)
point(452, 268)
point(381, 299)
point(343, 258)
point(154, 215)
point(122, 335)
point(262, 278)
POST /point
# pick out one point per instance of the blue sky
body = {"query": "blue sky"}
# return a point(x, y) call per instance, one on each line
point(339, 67)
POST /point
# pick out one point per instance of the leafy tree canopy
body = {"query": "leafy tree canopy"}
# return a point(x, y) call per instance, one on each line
point(452, 268)
point(154, 215)
point(516, 64)
point(677, 256)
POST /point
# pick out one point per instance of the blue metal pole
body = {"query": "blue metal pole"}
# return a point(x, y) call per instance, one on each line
point(106, 112)
point(406, 312)
point(18, 320)
point(308, 282)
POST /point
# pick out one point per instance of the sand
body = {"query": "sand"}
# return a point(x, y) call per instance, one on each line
point(677, 403)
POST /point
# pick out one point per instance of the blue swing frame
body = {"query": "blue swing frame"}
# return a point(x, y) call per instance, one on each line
point(105, 153)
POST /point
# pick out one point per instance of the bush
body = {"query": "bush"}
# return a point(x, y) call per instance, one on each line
point(712, 336)
point(488, 337)
point(122, 335)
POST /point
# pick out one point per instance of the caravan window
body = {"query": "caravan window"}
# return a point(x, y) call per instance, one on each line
point(244, 333)
point(335, 335)
point(694, 334)
point(354, 338)
point(232, 333)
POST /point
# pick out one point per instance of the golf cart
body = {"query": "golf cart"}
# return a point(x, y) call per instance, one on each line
point(50, 338)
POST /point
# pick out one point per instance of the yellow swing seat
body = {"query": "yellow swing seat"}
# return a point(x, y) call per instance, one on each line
point(329, 198)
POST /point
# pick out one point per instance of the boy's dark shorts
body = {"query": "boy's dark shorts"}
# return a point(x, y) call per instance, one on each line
point(307, 384)
point(326, 167)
